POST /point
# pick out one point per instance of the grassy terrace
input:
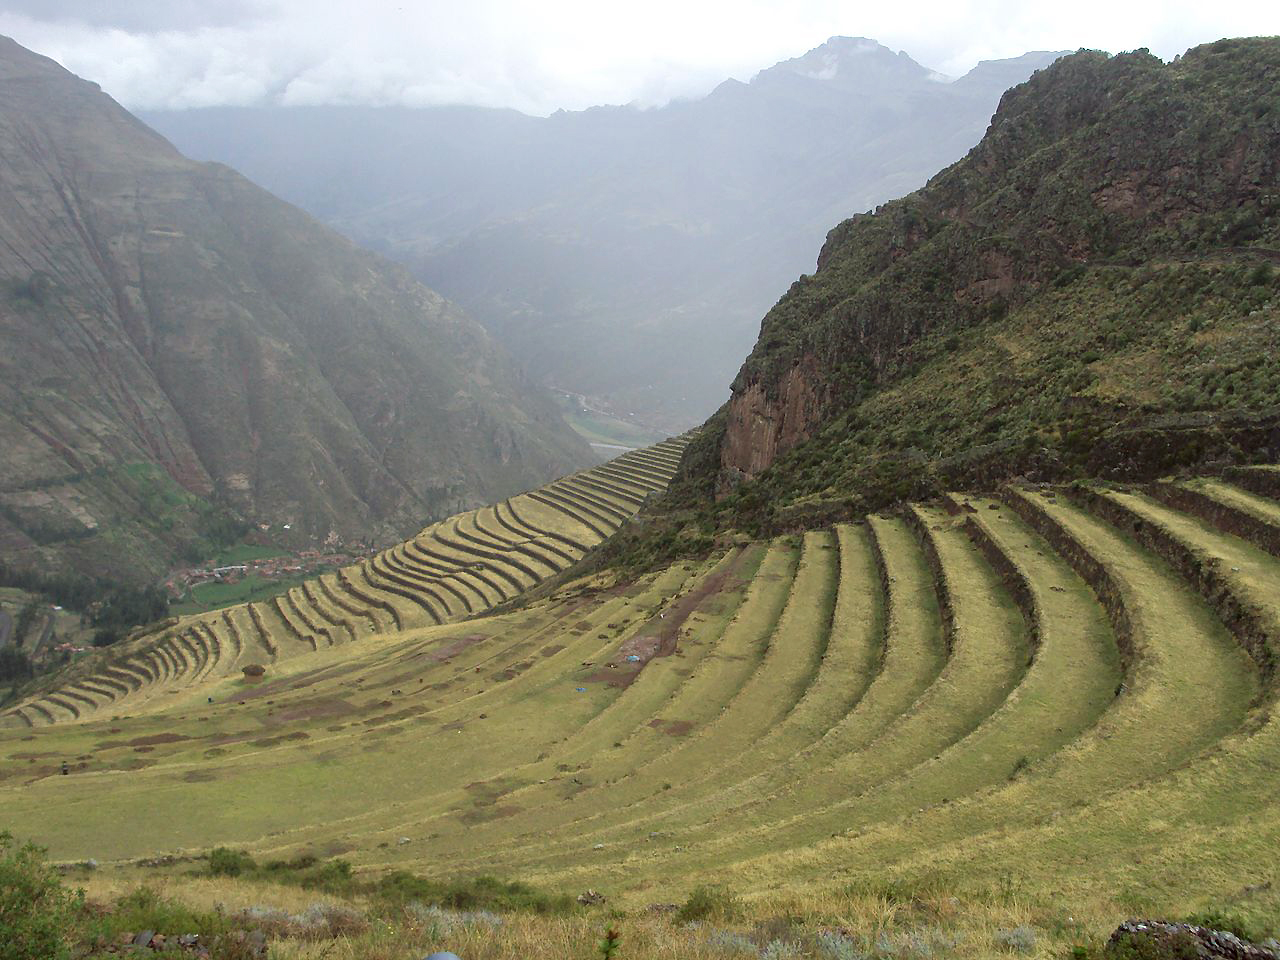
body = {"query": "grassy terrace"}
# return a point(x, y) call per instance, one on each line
point(1069, 688)
point(452, 570)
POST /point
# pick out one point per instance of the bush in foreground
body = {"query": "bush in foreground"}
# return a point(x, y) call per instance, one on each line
point(36, 913)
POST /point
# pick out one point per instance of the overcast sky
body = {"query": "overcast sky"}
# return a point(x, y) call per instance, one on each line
point(538, 57)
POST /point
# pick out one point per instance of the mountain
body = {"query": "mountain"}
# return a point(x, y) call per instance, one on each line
point(181, 350)
point(622, 253)
point(1092, 291)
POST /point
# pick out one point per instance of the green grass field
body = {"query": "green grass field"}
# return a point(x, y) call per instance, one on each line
point(1017, 705)
point(206, 597)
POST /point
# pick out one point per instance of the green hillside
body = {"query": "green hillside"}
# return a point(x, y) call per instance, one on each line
point(1092, 291)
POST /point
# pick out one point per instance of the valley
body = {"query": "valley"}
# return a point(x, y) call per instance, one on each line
point(953, 632)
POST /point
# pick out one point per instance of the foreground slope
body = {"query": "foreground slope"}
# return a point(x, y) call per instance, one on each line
point(178, 343)
point(1092, 290)
point(1037, 685)
point(458, 568)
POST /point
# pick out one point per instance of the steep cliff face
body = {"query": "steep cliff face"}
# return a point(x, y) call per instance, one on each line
point(180, 346)
point(1101, 182)
point(761, 426)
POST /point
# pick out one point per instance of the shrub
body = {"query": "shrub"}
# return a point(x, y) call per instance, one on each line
point(225, 862)
point(479, 893)
point(728, 941)
point(444, 923)
point(36, 913)
point(15, 665)
point(708, 903)
point(106, 636)
point(1019, 939)
point(320, 921)
point(780, 950)
point(145, 909)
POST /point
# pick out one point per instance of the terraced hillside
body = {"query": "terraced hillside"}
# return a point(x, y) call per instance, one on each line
point(1073, 687)
point(452, 570)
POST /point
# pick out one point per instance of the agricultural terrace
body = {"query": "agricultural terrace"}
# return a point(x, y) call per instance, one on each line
point(1070, 687)
point(453, 570)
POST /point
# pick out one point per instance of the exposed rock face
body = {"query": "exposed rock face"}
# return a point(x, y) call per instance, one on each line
point(762, 426)
point(174, 336)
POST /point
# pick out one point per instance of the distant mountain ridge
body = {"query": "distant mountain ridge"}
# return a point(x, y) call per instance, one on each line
point(621, 253)
point(180, 347)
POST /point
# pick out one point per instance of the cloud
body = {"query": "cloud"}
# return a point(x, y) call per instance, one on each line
point(140, 15)
point(156, 54)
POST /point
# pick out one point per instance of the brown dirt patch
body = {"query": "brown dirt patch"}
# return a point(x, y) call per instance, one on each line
point(455, 647)
point(483, 814)
point(283, 738)
point(672, 728)
point(662, 634)
point(488, 792)
point(198, 776)
point(318, 708)
point(154, 739)
point(551, 650)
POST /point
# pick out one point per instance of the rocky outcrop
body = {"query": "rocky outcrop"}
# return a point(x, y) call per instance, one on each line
point(1185, 940)
point(765, 423)
point(1092, 168)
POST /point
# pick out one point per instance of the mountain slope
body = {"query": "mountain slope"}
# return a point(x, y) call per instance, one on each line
point(180, 345)
point(647, 241)
point(1090, 291)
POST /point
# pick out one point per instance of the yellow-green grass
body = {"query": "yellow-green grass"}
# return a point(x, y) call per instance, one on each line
point(632, 777)
point(1263, 508)
point(530, 566)
point(810, 735)
point(452, 570)
point(498, 575)
point(342, 626)
point(254, 774)
point(1251, 571)
point(848, 661)
point(599, 525)
point(206, 597)
point(972, 926)
point(987, 659)
point(652, 754)
point(1189, 689)
point(551, 522)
